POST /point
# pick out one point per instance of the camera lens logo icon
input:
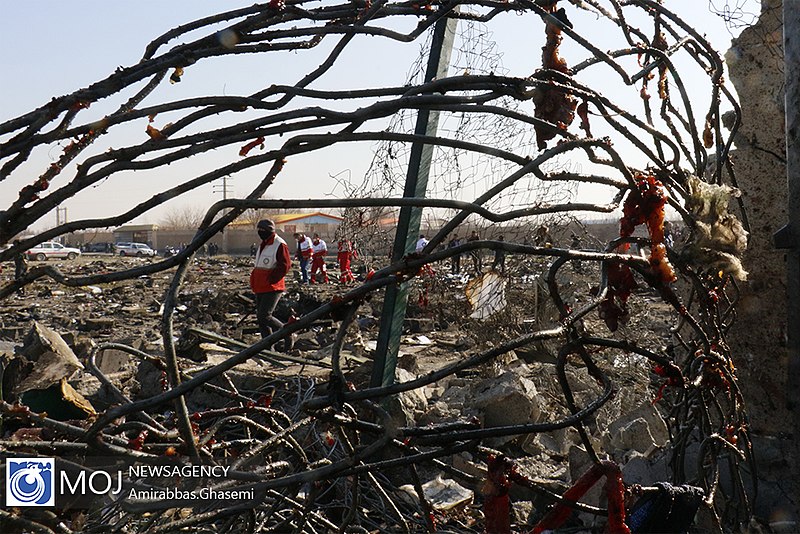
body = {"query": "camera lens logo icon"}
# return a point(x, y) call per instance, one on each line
point(29, 482)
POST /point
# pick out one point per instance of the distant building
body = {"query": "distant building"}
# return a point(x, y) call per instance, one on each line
point(323, 224)
point(137, 233)
point(308, 223)
point(237, 237)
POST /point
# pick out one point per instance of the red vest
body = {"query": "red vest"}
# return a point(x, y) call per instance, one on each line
point(305, 248)
point(271, 265)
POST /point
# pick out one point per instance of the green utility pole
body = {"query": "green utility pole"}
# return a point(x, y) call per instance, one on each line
point(419, 165)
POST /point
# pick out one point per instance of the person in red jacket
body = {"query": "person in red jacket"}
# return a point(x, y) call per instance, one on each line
point(267, 279)
point(320, 250)
point(346, 253)
point(303, 253)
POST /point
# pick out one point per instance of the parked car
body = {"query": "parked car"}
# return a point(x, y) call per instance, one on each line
point(134, 249)
point(51, 249)
point(98, 247)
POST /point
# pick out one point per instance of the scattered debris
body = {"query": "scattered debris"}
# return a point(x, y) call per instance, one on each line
point(43, 360)
point(486, 294)
point(445, 495)
point(547, 357)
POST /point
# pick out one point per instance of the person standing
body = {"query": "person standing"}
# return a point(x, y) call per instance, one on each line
point(345, 254)
point(475, 254)
point(319, 251)
point(669, 240)
point(20, 266)
point(267, 280)
point(455, 261)
point(542, 238)
point(499, 263)
point(422, 242)
point(576, 245)
point(303, 253)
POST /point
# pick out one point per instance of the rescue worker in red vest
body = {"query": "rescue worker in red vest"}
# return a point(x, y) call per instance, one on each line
point(303, 253)
point(345, 254)
point(267, 279)
point(320, 250)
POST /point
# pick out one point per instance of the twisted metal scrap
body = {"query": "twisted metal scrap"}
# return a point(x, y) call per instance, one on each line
point(323, 448)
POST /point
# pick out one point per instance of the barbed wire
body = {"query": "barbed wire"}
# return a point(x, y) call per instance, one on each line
point(736, 15)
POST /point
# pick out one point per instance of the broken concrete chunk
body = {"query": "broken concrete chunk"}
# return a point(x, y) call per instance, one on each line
point(59, 401)
point(538, 352)
point(646, 471)
point(440, 412)
point(454, 399)
point(406, 407)
point(7, 349)
point(641, 429)
point(522, 511)
point(465, 462)
point(579, 463)
point(409, 362)
point(97, 324)
point(112, 361)
point(46, 359)
point(509, 399)
point(634, 436)
point(555, 443)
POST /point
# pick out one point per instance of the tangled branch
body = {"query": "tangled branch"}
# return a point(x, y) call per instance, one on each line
point(317, 453)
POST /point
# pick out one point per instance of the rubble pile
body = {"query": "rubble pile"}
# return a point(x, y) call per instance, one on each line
point(529, 390)
point(280, 414)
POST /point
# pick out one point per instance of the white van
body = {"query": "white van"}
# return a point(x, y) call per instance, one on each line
point(134, 249)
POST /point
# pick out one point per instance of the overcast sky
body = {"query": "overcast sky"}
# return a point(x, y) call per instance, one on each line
point(51, 48)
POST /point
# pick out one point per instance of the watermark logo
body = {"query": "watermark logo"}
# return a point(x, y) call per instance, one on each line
point(29, 481)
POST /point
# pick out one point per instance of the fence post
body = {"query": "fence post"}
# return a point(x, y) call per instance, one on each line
point(408, 223)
